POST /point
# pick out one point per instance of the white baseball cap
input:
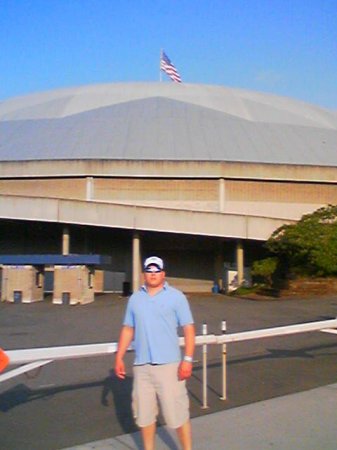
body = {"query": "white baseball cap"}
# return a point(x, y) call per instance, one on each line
point(154, 261)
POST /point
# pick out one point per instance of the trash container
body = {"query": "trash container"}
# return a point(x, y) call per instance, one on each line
point(126, 288)
point(216, 288)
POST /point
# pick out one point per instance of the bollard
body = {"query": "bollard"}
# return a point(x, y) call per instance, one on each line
point(224, 363)
point(204, 369)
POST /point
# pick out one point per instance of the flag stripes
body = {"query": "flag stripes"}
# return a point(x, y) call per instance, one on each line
point(167, 67)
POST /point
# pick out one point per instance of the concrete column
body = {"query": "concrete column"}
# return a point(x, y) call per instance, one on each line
point(136, 261)
point(222, 195)
point(90, 188)
point(219, 266)
point(240, 262)
point(65, 240)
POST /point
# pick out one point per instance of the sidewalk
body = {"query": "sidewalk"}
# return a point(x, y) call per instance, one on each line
point(302, 421)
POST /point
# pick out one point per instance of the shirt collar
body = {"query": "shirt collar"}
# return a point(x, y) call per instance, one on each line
point(165, 286)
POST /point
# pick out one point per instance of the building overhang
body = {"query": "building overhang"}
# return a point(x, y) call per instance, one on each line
point(136, 217)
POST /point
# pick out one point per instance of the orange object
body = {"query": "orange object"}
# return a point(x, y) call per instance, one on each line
point(4, 360)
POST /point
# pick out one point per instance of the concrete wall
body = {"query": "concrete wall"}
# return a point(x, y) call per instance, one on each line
point(194, 194)
point(53, 188)
point(280, 192)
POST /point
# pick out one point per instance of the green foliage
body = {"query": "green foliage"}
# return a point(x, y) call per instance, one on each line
point(309, 246)
point(265, 269)
point(242, 290)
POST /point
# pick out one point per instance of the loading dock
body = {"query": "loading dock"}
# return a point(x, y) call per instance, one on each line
point(22, 277)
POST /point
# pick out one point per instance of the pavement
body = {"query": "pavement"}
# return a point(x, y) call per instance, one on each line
point(281, 391)
point(301, 421)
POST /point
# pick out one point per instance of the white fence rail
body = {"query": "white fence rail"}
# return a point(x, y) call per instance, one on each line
point(38, 357)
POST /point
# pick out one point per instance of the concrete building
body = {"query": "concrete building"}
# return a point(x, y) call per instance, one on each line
point(201, 175)
point(23, 283)
point(73, 285)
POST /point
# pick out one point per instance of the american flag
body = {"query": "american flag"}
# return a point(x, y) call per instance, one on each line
point(167, 67)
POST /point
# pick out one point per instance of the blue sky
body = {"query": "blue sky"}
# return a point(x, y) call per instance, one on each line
point(285, 47)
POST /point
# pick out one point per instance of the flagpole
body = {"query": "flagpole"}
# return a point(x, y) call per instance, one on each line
point(160, 72)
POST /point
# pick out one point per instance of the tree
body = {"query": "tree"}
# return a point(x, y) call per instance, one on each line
point(265, 269)
point(308, 247)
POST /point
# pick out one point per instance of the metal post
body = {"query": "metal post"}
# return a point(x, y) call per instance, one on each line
point(204, 369)
point(224, 363)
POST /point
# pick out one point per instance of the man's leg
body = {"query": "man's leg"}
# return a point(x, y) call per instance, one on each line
point(185, 435)
point(148, 434)
point(144, 404)
point(174, 402)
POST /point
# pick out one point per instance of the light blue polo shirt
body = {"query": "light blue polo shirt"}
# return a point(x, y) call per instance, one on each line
point(155, 320)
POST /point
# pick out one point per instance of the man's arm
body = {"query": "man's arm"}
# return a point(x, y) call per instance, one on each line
point(125, 339)
point(185, 367)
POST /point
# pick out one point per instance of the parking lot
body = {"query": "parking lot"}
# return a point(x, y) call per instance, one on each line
point(76, 401)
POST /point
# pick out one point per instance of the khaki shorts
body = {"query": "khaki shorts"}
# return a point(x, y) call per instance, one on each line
point(153, 382)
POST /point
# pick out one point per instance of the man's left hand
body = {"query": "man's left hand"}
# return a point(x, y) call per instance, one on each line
point(185, 370)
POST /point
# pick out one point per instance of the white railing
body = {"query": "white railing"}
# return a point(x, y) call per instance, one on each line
point(224, 339)
point(37, 357)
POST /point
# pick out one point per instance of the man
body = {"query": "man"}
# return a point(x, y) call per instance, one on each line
point(151, 320)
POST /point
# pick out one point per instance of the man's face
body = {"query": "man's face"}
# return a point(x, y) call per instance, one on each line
point(154, 277)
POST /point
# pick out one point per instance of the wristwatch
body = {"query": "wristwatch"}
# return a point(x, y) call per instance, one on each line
point(188, 358)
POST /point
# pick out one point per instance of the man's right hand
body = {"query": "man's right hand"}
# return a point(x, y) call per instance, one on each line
point(120, 369)
point(125, 339)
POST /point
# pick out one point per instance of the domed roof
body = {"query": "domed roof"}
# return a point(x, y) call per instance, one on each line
point(170, 121)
